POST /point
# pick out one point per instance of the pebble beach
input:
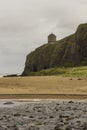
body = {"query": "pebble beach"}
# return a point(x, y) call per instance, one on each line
point(43, 115)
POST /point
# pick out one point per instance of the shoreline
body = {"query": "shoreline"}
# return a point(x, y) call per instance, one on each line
point(43, 96)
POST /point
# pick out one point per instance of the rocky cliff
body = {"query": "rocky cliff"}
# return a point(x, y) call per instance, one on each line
point(70, 51)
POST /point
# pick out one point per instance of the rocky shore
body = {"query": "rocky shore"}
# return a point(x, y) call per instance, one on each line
point(43, 115)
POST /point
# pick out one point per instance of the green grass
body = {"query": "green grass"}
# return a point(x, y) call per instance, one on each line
point(69, 72)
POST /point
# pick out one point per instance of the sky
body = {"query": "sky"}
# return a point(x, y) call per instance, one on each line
point(25, 25)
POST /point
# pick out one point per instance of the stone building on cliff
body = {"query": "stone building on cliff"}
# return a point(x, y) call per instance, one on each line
point(52, 38)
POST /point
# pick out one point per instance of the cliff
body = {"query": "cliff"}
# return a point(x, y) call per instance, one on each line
point(68, 52)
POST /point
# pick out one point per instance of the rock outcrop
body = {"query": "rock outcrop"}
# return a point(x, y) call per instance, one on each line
point(70, 51)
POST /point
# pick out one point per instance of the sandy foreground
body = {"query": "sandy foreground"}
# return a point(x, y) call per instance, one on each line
point(43, 114)
point(42, 86)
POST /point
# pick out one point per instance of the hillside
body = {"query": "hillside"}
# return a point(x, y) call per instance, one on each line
point(68, 52)
point(76, 72)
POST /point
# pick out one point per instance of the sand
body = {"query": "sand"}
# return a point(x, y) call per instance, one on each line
point(44, 87)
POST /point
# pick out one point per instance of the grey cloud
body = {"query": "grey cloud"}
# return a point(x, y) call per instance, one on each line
point(25, 24)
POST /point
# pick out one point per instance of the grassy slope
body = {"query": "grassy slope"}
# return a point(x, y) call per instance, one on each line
point(69, 72)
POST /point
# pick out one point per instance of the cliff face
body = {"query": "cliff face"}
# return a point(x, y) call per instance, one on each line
point(70, 51)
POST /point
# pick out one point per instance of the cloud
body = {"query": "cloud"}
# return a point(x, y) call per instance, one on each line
point(25, 24)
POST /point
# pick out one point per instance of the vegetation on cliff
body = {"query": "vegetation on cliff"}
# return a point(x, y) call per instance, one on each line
point(78, 72)
point(68, 52)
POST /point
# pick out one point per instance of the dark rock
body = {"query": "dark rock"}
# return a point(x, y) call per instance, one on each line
point(12, 75)
point(39, 110)
point(31, 117)
point(17, 114)
point(71, 79)
point(51, 117)
point(34, 128)
point(57, 127)
point(68, 128)
point(70, 102)
point(8, 103)
point(85, 126)
point(1, 118)
point(79, 79)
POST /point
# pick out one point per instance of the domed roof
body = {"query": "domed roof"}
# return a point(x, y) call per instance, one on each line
point(52, 35)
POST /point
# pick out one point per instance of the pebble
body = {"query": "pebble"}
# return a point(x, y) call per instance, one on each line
point(49, 115)
point(8, 103)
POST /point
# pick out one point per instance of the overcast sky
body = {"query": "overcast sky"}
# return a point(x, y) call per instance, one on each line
point(25, 25)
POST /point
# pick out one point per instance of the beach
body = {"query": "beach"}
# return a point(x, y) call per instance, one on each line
point(43, 103)
point(45, 114)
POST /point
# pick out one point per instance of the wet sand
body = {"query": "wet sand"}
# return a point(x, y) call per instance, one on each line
point(43, 96)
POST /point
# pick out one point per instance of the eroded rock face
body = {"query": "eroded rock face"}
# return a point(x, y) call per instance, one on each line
point(81, 40)
point(70, 51)
point(81, 35)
